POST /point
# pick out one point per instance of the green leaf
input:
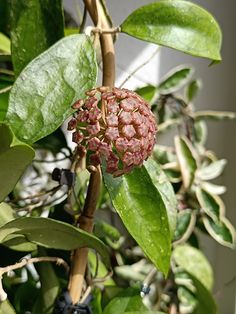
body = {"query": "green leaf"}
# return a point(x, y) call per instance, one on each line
point(6, 213)
point(164, 187)
point(192, 89)
point(206, 304)
point(6, 308)
point(147, 92)
point(212, 171)
point(222, 231)
point(214, 115)
point(13, 161)
point(187, 160)
point(178, 24)
point(35, 26)
point(19, 243)
point(175, 79)
point(53, 234)
point(195, 263)
point(163, 154)
point(136, 198)
point(212, 205)
point(127, 301)
point(41, 97)
point(200, 132)
point(4, 98)
point(49, 289)
point(103, 229)
point(5, 43)
point(185, 224)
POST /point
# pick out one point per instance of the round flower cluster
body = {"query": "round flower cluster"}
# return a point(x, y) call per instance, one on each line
point(116, 125)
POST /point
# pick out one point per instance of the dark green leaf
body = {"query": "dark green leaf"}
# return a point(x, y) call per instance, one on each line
point(175, 80)
point(147, 92)
point(187, 160)
point(4, 16)
point(192, 90)
point(222, 231)
point(35, 26)
point(214, 115)
point(4, 97)
point(53, 234)
point(135, 198)
point(212, 171)
point(127, 301)
point(41, 97)
point(195, 263)
point(178, 24)
point(185, 224)
point(211, 204)
point(13, 161)
point(165, 188)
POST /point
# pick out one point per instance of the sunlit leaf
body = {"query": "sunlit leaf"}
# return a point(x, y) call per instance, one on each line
point(187, 159)
point(5, 43)
point(41, 97)
point(188, 28)
point(136, 198)
point(147, 92)
point(222, 231)
point(35, 26)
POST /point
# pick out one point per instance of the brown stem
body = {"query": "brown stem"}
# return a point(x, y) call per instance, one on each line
point(79, 261)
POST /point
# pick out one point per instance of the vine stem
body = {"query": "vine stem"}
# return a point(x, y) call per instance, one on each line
point(85, 221)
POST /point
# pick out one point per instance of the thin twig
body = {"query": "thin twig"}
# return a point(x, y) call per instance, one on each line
point(5, 89)
point(139, 67)
point(24, 262)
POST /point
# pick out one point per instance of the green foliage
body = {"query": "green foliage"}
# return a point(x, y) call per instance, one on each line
point(188, 28)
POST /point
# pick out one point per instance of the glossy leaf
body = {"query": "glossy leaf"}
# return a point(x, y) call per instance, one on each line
point(13, 161)
point(175, 80)
point(136, 198)
point(41, 97)
point(185, 224)
point(212, 171)
point(35, 26)
point(188, 28)
point(222, 231)
point(214, 115)
point(195, 263)
point(187, 160)
point(211, 204)
point(192, 90)
point(147, 92)
point(53, 234)
point(165, 188)
point(5, 43)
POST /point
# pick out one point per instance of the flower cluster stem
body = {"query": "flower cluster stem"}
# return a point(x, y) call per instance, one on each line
point(80, 256)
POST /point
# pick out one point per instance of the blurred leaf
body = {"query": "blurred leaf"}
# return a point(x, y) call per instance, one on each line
point(192, 90)
point(71, 31)
point(4, 97)
point(5, 44)
point(135, 197)
point(127, 301)
point(35, 26)
point(6, 308)
point(200, 132)
point(53, 234)
point(214, 115)
point(175, 79)
point(189, 28)
point(147, 92)
point(187, 160)
point(4, 16)
point(6, 213)
point(168, 124)
point(49, 289)
point(195, 263)
point(102, 271)
point(206, 304)
point(164, 154)
point(213, 188)
point(96, 301)
point(13, 161)
point(186, 298)
point(103, 229)
point(222, 231)
point(41, 97)
point(212, 205)
point(25, 296)
point(165, 188)
point(185, 224)
point(211, 171)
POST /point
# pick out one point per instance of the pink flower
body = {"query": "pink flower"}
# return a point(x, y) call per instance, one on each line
point(128, 131)
point(112, 133)
point(125, 117)
point(93, 129)
point(112, 120)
